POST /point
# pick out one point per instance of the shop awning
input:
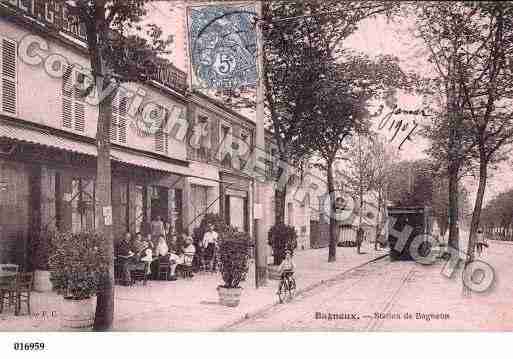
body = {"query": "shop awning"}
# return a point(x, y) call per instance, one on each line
point(41, 137)
point(148, 162)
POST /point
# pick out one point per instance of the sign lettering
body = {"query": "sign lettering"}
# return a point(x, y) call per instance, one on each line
point(51, 13)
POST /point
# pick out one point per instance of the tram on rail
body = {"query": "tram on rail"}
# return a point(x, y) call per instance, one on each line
point(419, 219)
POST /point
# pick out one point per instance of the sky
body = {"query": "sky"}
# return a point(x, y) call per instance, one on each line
point(381, 37)
point(376, 36)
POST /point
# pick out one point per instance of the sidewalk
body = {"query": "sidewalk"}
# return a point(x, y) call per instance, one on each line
point(192, 305)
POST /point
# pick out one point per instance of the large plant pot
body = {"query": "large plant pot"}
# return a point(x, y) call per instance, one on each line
point(42, 281)
point(229, 297)
point(274, 273)
point(77, 313)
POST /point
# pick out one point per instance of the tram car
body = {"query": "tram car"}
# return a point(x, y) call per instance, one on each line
point(419, 218)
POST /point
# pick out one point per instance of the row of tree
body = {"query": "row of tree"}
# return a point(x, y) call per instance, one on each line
point(318, 92)
point(497, 216)
point(471, 88)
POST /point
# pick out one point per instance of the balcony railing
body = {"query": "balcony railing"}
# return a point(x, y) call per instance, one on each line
point(172, 78)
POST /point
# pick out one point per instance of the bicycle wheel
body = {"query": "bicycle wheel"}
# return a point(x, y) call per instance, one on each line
point(291, 288)
point(282, 291)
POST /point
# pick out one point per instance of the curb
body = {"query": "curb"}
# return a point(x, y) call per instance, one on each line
point(226, 327)
point(501, 242)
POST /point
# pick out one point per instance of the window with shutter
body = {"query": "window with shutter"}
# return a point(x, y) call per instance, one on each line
point(161, 136)
point(79, 104)
point(226, 139)
point(73, 104)
point(119, 118)
point(9, 77)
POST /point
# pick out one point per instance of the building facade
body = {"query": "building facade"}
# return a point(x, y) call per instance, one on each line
point(194, 164)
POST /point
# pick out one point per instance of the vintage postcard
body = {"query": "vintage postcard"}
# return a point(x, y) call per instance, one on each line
point(242, 166)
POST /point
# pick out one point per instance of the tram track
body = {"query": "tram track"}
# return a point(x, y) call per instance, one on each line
point(354, 295)
point(375, 323)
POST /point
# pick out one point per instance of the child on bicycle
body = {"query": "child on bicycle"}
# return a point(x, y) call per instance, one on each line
point(286, 268)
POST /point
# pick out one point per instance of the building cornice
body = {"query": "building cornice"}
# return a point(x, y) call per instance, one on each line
point(220, 109)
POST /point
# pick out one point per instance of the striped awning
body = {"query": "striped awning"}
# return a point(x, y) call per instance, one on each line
point(41, 137)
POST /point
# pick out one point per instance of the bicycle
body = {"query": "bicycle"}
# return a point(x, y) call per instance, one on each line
point(287, 287)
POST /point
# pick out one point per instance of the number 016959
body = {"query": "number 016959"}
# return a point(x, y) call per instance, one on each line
point(29, 346)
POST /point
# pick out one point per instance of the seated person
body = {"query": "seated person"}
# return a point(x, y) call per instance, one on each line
point(287, 266)
point(286, 269)
point(184, 259)
point(173, 245)
point(143, 252)
point(138, 244)
point(188, 252)
point(175, 256)
point(152, 240)
point(162, 247)
point(147, 256)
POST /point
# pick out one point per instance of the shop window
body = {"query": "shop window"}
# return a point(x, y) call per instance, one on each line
point(8, 76)
point(198, 203)
point(139, 207)
point(82, 205)
point(159, 202)
point(178, 215)
point(123, 204)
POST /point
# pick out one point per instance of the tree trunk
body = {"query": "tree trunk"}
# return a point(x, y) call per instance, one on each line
point(453, 241)
point(332, 254)
point(280, 198)
point(476, 215)
point(378, 221)
point(105, 298)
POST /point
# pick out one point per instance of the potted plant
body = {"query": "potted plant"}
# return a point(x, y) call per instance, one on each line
point(281, 238)
point(40, 257)
point(233, 255)
point(77, 264)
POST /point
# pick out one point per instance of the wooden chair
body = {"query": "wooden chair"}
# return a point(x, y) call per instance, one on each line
point(186, 268)
point(164, 268)
point(22, 289)
point(140, 273)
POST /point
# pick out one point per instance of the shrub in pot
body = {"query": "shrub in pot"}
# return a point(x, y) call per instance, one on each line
point(41, 247)
point(77, 265)
point(233, 255)
point(281, 238)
